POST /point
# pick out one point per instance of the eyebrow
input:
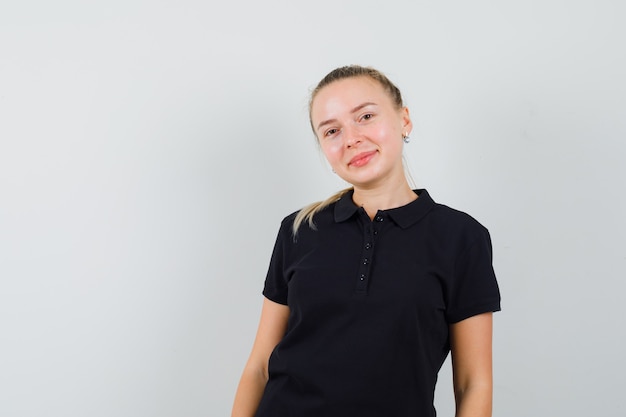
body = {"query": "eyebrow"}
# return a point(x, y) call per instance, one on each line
point(354, 110)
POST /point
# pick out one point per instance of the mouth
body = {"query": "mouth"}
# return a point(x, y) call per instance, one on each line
point(361, 159)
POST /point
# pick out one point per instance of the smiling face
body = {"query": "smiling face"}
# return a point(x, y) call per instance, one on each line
point(360, 129)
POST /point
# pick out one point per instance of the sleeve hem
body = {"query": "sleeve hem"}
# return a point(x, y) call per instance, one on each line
point(275, 297)
point(468, 312)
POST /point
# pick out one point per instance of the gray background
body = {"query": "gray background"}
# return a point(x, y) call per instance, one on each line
point(149, 150)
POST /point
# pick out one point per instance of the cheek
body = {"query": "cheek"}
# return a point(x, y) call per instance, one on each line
point(389, 137)
point(332, 150)
point(386, 133)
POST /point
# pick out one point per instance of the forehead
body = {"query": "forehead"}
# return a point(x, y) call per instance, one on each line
point(345, 94)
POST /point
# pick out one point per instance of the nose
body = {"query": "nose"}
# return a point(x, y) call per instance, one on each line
point(352, 137)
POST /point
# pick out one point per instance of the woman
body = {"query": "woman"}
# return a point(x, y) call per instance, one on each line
point(368, 291)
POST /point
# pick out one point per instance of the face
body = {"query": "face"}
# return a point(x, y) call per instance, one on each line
point(360, 130)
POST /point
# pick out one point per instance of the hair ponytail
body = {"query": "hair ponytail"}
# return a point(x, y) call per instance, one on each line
point(307, 213)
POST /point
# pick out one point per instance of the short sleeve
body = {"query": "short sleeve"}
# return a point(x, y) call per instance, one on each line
point(275, 287)
point(474, 289)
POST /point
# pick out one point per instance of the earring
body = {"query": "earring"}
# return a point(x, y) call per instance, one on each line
point(405, 137)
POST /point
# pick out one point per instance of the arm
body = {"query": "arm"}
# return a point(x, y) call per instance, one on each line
point(471, 365)
point(272, 327)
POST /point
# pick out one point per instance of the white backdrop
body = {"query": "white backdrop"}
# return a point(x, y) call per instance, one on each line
point(149, 150)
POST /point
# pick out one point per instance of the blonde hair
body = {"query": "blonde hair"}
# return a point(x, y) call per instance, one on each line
point(307, 213)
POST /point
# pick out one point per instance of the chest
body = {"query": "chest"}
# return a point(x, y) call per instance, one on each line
point(374, 266)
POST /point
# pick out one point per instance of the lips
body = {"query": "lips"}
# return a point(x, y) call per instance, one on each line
point(362, 159)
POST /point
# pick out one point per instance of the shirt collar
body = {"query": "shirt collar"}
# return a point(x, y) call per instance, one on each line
point(403, 216)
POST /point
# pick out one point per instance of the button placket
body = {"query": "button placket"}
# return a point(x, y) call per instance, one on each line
point(366, 258)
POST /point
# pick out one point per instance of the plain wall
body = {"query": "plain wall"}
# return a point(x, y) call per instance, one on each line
point(149, 150)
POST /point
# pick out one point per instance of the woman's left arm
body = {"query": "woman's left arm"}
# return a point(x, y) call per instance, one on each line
point(470, 343)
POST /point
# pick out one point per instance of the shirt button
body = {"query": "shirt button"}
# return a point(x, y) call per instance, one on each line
point(362, 277)
point(379, 218)
point(365, 261)
point(368, 246)
point(375, 232)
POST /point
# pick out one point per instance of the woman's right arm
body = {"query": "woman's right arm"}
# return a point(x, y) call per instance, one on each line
point(272, 327)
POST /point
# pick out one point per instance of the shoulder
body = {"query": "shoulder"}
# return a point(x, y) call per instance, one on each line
point(450, 224)
point(455, 218)
point(322, 218)
point(289, 219)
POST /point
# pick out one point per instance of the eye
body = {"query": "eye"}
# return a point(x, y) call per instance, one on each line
point(330, 132)
point(367, 116)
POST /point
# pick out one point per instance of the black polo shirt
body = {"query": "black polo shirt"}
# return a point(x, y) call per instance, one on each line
point(370, 305)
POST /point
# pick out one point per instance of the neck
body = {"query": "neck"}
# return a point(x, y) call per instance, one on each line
point(375, 199)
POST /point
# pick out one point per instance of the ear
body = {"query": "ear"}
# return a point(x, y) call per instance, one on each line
point(407, 124)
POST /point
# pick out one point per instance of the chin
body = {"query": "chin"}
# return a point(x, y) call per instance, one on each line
point(362, 182)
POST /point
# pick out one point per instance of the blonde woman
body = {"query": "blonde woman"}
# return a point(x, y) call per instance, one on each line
point(368, 291)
